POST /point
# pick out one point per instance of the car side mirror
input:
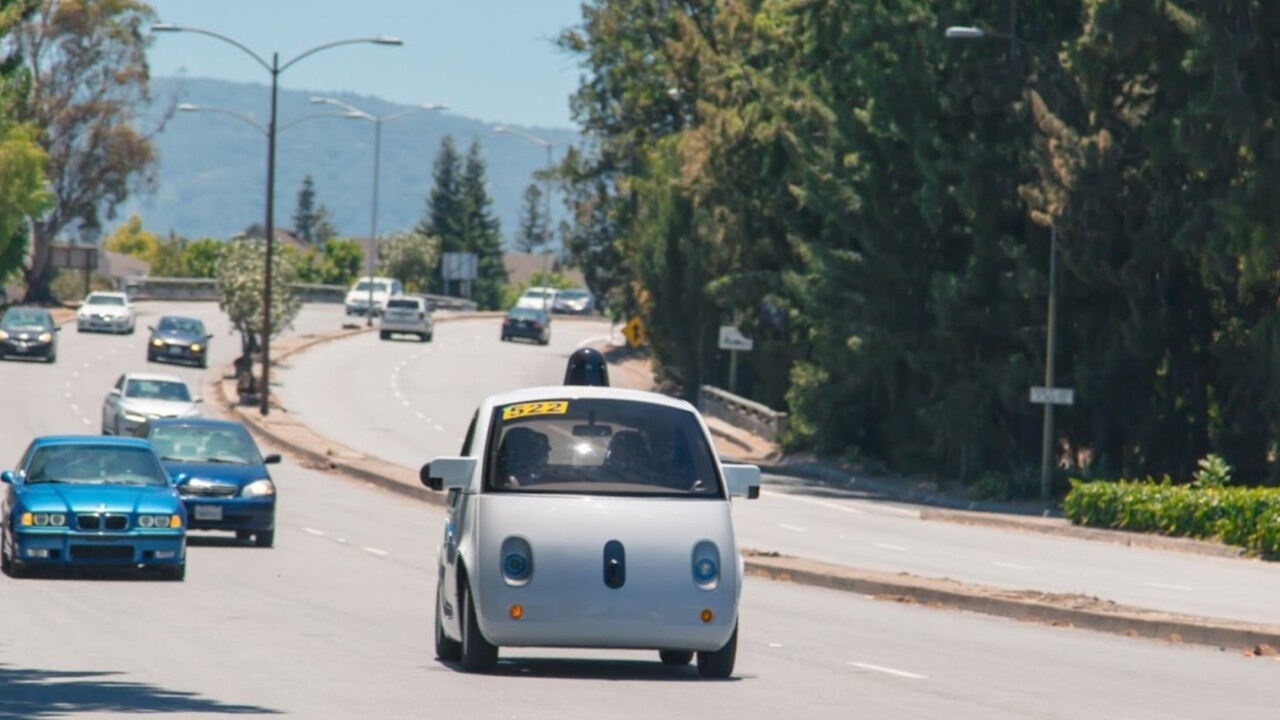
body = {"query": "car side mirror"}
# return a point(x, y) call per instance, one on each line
point(447, 472)
point(114, 392)
point(197, 399)
point(742, 481)
point(7, 477)
point(272, 459)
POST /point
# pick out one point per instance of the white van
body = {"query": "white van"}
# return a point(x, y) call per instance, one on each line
point(538, 298)
point(359, 297)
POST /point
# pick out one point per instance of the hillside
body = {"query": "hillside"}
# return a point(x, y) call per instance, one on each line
point(212, 170)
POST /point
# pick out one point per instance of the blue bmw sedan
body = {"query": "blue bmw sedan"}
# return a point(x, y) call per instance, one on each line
point(220, 474)
point(86, 501)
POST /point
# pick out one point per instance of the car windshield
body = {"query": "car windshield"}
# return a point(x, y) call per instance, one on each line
point(27, 319)
point(572, 295)
point(363, 286)
point(157, 390)
point(104, 300)
point(403, 303)
point(194, 443)
point(526, 314)
point(600, 447)
point(180, 325)
point(85, 463)
point(537, 294)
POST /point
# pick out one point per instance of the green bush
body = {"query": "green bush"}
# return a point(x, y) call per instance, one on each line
point(1244, 517)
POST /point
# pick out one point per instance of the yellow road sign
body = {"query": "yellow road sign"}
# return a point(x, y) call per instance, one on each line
point(633, 331)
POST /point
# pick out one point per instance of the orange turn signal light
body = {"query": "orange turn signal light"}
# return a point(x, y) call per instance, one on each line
point(517, 612)
point(707, 616)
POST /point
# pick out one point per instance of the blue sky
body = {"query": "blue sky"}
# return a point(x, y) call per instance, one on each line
point(493, 60)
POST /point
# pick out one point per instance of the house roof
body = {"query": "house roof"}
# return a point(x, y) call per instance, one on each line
point(118, 265)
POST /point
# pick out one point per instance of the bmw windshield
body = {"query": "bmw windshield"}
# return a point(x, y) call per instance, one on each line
point(87, 464)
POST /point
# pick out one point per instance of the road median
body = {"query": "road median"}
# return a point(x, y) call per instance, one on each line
point(279, 429)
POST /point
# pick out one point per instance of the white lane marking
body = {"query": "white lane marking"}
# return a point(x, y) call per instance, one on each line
point(437, 427)
point(66, 394)
point(420, 415)
point(375, 551)
point(101, 356)
point(75, 373)
point(86, 365)
point(775, 645)
point(1167, 586)
point(1011, 566)
point(811, 501)
point(403, 401)
point(889, 671)
point(85, 421)
point(793, 528)
point(594, 340)
point(75, 408)
point(313, 531)
point(342, 540)
point(887, 546)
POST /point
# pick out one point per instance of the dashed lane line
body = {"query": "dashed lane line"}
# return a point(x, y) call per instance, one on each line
point(1011, 566)
point(375, 551)
point(887, 546)
point(313, 531)
point(1168, 586)
point(889, 671)
point(792, 528)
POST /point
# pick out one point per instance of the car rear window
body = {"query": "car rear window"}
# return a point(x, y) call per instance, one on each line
point(407, 303)
point(600, 447)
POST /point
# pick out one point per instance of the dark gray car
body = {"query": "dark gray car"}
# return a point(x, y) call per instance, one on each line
point(179, 339)
point(28, 333)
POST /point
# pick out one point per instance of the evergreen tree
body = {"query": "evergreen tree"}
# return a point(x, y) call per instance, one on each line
point(534, 233)
point(481, 232)
point(322, 229)
point(304, 215)
point(444, 219)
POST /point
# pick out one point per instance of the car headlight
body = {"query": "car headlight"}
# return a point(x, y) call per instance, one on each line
point(706, 565)
point(46, 337)
point(259, 488)
point(160, 521)
point(134, 416)
point(43, 519)
point(4, 335)
point(195, 347)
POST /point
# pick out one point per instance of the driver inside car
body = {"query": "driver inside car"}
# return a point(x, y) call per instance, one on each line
point(522, 458)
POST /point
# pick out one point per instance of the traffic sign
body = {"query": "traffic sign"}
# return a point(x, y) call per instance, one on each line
point(633, 331)
point(1055, 396)
point(731, 338)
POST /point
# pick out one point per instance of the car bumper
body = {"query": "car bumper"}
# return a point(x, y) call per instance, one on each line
point(25, 348)
point(104, 324)
point(230, 514)
point(181, 353)
point(362, 308)
point(518, 331)
point(403, 327)
point(105, 549)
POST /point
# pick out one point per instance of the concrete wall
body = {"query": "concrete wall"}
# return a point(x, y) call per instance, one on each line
point(742, 413)
point(206, 289)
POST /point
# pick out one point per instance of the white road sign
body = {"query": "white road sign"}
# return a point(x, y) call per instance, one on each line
point(1056, 396)
point(731, 338)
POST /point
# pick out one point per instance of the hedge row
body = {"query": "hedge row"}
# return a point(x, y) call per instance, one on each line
point(1244, 517)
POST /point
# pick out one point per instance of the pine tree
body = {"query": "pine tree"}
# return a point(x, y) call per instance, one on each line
point(533, 234)
point(482, 234)
point(305, 216)
point(444, 217)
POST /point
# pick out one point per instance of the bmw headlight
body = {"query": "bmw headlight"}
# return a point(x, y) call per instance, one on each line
point(259, 488)
point(195, 347)
point(43, 519)
point(157, 343)
point(160, 521)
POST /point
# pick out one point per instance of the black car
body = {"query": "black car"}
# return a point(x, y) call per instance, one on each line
point(28, 333)
point(179, 339)
point(527, 323)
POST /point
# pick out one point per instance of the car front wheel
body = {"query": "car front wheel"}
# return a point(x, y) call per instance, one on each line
point(478, 654)
point(176, 572)
point(718, 664)
point(264, 538)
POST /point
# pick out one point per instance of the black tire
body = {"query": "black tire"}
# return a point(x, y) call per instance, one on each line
point(718, 664)
point(52, 359)
point(151, 357)
point(675, 657)
point(447, 648)
point(504, 338)
point(478, 654)
point(384, 335)
point(431, 336)
point(243, 535)
point(264, 538)
point(177, 573)
point(11, 567)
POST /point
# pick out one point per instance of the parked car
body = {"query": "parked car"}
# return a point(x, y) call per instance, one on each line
point(220, 474)
point(527, 323)
point(28, 332)
point(180, 339)
point(139, 397)
point(87, 501)
point(106, 312)
point(574, 302)
point(376, 290)
point(538, 298)
point(589, 517)
point(407, 315)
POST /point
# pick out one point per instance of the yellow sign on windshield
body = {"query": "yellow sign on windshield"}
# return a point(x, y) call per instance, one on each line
point(515, 412)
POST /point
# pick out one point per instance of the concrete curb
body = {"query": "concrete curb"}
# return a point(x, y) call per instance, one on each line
point(1059, 610)
point(1091, 614)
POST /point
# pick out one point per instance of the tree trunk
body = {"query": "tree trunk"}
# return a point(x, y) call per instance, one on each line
point(38, 275)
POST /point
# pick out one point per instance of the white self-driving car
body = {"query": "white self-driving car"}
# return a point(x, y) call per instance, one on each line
point(589, 517)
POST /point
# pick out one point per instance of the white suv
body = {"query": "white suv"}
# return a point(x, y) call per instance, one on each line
point(538, 298)
point(358, 298)
point(408, 315)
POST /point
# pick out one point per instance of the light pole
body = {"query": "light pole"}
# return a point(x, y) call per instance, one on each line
point(546, 258)
point(357, 114)
point(1046, 440)
point(244, 117)
point(275, 68)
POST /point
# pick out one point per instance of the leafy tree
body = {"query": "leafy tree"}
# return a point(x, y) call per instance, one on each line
point(200, 257)
point(481, 233)
point(240, 274)
point(323, 228)
point(339, 262)
point(130, 239)
point(169, 259)
point(90, 71)
point(410, 257)
point(534, 233)
point(22, 194)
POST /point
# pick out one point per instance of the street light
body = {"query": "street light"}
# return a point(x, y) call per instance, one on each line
point(546, 258)
point(275, 68)
point(357, 114)
point(1046, 440)
point(191, 107)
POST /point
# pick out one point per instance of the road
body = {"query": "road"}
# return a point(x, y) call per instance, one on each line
point(406, 402)
point(335, 622)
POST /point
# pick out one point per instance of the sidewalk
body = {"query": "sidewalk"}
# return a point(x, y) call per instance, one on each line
point(314, 451)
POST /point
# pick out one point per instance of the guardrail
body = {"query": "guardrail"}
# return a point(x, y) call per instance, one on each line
point(740, 412)
point(167, 288)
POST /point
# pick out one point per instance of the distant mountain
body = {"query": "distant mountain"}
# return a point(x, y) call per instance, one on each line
point(212, 167)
